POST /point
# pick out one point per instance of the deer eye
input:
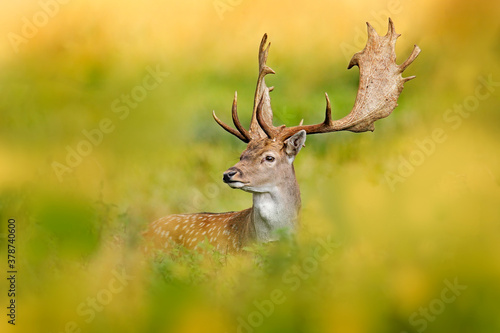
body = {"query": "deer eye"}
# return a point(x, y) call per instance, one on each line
point(270, 158)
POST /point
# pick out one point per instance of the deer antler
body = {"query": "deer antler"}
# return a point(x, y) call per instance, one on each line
point(262, 100)
point(241, 133)
point(380, 85)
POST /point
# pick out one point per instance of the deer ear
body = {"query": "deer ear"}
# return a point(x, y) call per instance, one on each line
point(294, 143)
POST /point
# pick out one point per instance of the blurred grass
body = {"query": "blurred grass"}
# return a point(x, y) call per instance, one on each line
point(396, 247)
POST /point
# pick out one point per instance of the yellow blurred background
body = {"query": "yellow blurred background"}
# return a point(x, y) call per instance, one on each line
point(413, 207)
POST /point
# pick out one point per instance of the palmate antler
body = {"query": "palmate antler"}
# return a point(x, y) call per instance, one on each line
point(380, 85)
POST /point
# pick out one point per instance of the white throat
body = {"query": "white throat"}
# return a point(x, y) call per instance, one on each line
point(275, 210)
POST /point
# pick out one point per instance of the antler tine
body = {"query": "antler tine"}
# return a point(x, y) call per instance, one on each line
point(263, 52)
point(230, 129)
point(411, 58)
point(240, 133)
point(311, 129)
point(328, 113)
point(262, 94)
point(261, 85)
point(380, 85)
point(269, 130)
point(262, 104)
point(236, 120)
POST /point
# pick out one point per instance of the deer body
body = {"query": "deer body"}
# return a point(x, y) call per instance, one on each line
point(276, 204)
point(266, 168)
point(231, 230)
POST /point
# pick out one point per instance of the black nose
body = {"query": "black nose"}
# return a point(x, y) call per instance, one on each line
point(228, 175)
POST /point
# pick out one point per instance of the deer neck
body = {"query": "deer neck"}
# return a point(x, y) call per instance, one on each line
point(275, 209)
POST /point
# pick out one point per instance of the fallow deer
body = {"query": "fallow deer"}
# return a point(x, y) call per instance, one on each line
point(265, 168)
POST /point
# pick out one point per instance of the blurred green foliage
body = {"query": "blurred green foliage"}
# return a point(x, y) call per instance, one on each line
point(396, 242)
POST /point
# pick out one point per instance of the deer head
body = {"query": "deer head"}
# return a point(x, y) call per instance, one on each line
point(271, 150)
point(266, 162)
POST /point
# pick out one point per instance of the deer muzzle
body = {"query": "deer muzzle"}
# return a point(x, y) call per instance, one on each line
point(232, 177)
